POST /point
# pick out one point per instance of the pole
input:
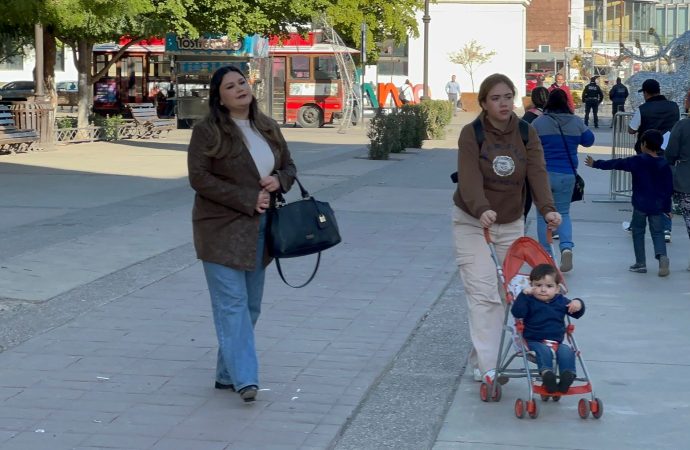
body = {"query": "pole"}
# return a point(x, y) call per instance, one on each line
point(426, 19)
point(38, 36)
point(360, 105)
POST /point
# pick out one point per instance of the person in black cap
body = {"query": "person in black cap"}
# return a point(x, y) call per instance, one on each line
point(592, 96)
point(656, 113)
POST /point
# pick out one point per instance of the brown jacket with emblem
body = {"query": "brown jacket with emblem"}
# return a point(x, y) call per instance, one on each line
point(225, 223)
point(493, 177)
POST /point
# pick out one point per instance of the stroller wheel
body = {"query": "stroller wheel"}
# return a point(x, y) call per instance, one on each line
point(532, 409)
point(497, 395)
point(556, 398)
point(597, 407)
point(545, 398)
point(484, 392)
point(519, 408)
point(583, 408)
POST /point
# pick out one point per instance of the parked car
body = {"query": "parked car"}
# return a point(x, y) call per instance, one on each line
point(66, 86)
point(17, 90)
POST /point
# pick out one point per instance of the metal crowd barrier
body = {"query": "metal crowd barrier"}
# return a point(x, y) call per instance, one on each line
point(622, 147)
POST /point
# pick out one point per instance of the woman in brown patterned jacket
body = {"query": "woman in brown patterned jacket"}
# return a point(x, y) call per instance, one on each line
point(237, 156)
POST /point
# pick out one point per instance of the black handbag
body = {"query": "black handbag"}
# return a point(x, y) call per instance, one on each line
point(579, 188)
point(300, 228)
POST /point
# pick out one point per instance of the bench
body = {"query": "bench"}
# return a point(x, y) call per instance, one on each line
point(148, 124)
point(13, 139)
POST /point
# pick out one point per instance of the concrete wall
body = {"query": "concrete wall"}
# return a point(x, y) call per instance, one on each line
point(496, 25)
point(69, 74)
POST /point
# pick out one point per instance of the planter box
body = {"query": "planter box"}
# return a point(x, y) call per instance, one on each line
point(470, 102)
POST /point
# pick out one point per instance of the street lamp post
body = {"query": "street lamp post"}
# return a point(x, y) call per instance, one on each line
point(426, 19)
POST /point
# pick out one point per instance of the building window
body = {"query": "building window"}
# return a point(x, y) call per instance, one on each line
point(13, 63)
point(60, 59)
point(393, 59)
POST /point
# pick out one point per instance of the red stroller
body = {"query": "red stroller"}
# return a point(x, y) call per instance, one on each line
point(526, 253)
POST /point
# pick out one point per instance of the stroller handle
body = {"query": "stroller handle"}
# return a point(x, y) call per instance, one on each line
point(549, 236)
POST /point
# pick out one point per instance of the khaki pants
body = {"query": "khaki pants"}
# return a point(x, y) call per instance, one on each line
point(478, 272)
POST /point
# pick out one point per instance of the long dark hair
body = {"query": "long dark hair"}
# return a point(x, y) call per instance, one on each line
point(219, 120)
point(557, 102)
point(540, 95)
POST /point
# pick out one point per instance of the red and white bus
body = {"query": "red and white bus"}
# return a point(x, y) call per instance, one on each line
point(307, 87)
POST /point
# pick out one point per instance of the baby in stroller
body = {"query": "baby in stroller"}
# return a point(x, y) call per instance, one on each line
point(542, 308)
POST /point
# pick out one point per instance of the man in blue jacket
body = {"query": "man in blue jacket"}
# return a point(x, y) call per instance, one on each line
point(652, 186)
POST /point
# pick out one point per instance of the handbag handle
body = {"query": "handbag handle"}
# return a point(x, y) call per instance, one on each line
point(278, 198)
point(313, 274)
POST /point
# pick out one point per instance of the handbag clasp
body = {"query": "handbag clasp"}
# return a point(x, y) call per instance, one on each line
point(322, 218)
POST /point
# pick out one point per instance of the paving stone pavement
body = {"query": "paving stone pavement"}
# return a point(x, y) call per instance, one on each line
point(107, 331)
point(112, 344)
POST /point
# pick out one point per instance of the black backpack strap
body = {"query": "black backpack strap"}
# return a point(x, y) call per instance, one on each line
point(524, 131)
point(478, 132)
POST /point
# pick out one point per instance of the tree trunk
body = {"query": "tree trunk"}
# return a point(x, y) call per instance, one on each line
point(49, 52)
point(84, 64)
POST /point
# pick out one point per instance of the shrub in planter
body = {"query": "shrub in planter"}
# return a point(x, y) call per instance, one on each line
point(411, 126)
point(111, 126)
point(65, 122)
point(437, 114)
point(378, 149)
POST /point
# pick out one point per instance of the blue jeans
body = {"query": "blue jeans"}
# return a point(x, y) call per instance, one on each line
point(565, 356)
point(656, 229)
point(236, 302)
point(562, 185)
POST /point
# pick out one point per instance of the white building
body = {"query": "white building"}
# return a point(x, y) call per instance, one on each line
point(497, 25)
point(21, 68)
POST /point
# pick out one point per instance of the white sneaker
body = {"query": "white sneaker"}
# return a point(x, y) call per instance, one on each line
point(477, 375)
point(667, 236)
point(566, 260)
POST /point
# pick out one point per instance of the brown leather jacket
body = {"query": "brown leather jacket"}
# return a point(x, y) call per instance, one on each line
point(225, 223)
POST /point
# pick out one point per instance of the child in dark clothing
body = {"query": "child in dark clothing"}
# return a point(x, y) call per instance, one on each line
point(652, 186)
point(542, 309)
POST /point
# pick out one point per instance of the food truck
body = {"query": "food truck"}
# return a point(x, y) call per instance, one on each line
point(195, 60)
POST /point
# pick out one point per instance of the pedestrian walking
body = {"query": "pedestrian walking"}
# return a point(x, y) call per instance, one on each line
point(560, 84)
point(493, 164)
point(237, 158)
point(592, 96)
point(678, 155)
point(656, 113)
point(618, 95)
point(561, 132)
point(652, 188)
point(406, 92)
point(453, 92)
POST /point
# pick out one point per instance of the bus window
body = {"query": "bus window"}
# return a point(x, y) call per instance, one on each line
point(299, 67)
point(325, 68)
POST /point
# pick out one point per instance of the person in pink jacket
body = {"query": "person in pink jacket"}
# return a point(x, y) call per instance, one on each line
point(560, 84)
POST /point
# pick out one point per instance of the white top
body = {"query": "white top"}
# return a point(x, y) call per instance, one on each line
point(258, 148)
point(452, 87)
point(636, 120)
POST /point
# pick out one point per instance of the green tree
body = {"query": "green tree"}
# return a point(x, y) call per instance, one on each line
point(470, 57)
point(384, 19)
point(83, 23)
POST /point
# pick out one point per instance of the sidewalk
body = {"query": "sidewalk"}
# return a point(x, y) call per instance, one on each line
point(633, 339)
